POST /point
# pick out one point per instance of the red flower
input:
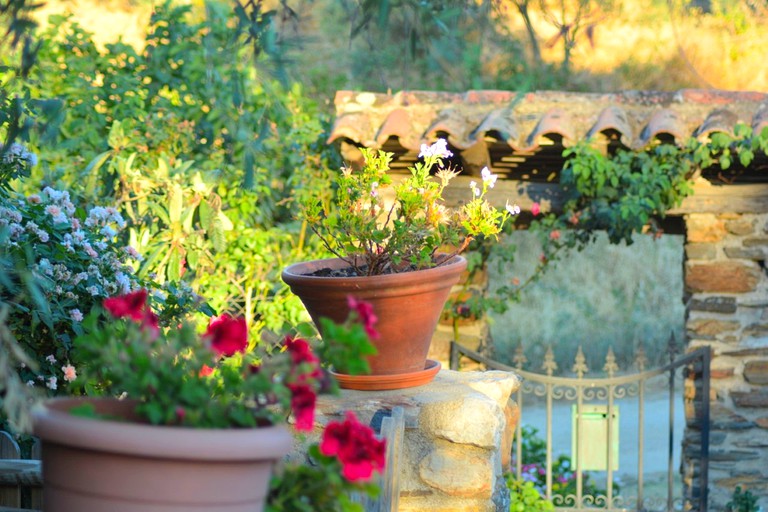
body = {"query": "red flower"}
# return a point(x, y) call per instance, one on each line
point(365, 315)
point(205, 371)
point(301, 354)
point(134, 306)
point(131, 305)
point(300, 350)
point(228, 334)
point(356, 446)
point(303, 406)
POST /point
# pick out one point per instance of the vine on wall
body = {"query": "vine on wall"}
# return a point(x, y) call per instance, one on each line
point(621, 193)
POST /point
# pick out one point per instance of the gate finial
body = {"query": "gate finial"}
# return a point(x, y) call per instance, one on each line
point(580, 367)
point(549, 365)
point(610, 363)
point(640, 359)
point(519, 359)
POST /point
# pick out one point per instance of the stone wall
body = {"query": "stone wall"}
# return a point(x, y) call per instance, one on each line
point(455, 428)
point(727, 295)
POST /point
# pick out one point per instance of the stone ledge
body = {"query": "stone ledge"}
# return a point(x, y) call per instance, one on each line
point(454, 426)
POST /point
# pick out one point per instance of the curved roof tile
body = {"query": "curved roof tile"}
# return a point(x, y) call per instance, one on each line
point(555, 120)
point(613, 118)
point(520, 120)
point(720, 120)
point(667, 121)
point(501, 122)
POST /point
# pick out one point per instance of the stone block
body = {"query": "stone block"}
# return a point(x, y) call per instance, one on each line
point(723, 418)
point(752, 399)
point(756, 372)
point(722, 277)
point(757, 241)
point(700, 251)
point(762, 422)
point(451, 460)
point(745, 253)
point(704, 227)
point(732, 455)
point(458, 471)
point(725, 305)
point(740, 226)
point(709, 328)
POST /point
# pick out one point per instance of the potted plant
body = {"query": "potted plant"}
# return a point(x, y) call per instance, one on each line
point(201, 424)
point(388, 253)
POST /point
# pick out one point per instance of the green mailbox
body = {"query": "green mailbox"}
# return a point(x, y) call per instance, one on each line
point(594, 437)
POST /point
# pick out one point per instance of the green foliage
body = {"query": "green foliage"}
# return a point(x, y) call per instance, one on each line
point(534, 457)
point(376, 238)
point(525, 497)
point(315, 487)
point(742, 501)
point(203, 157)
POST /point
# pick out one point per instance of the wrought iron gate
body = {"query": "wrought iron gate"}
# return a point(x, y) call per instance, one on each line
point(587, 416)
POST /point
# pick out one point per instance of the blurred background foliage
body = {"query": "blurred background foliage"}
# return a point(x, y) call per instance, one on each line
point(204, 122)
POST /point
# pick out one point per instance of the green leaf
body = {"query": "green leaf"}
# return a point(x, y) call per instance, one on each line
point(175, 203)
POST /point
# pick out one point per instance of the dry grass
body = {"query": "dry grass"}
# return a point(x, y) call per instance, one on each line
point(650, 45)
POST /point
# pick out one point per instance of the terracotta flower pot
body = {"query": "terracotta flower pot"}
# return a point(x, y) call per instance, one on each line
point(93, 465)
point(407, 304)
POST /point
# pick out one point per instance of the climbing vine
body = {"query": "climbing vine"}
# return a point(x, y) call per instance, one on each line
point(622, 193)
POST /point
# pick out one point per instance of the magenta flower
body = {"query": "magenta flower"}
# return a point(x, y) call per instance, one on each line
point(356, 447)
point(228, 335)
point(303, 400)
point(365, 314)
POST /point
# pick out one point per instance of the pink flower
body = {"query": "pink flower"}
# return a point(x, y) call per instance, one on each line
point(69, 373)
point(303, 406)
point(535, 209)
point(365, 315)
point(356, 446)
point(228, 335)
point(554, 235)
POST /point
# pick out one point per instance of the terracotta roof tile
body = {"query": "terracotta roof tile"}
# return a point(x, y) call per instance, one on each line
point(520, 121)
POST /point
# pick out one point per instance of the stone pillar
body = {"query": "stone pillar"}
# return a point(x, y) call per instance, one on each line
point(727, 293)
point(454, 431)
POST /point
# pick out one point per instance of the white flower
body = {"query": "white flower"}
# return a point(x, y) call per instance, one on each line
point(488, 178)
point(30, 383)
point(51, 359)
point(34, 199)
point(76, 315)
point(43, 236)
point(513, 209)
point(439, 149)
point(93, 290)
point(51, 384)
point(108, 231)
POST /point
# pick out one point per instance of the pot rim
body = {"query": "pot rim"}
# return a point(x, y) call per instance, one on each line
point(297, 272)
point(54, 424)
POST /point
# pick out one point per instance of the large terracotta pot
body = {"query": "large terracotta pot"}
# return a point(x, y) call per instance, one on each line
point(93, 465)
point(408, 306)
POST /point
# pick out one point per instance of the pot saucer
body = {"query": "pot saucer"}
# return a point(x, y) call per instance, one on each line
point(382, 382)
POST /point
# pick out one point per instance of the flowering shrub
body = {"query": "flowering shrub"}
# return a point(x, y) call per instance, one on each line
point(406, 234)
point(75, 262)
